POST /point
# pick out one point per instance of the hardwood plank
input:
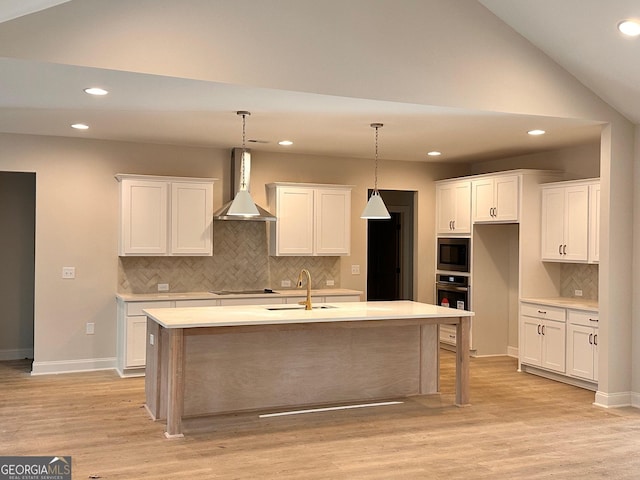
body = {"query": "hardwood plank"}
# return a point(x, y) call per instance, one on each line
point(518, 426)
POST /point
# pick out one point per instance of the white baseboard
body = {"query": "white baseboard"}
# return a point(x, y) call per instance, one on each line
point(616, 400)
point(513, 352)
point(635, 400)
point(71, 366)
point(16, 354)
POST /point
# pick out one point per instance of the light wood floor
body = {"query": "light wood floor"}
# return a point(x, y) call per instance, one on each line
point(518, 427)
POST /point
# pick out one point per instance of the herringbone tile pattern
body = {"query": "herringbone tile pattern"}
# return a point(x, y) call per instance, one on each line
point(579, 276)
point(240, 261)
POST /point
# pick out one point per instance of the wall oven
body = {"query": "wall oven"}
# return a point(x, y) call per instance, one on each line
point(453, 254)
point(452, 291)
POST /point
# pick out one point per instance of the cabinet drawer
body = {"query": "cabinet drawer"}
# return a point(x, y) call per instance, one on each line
point(448, 334)
point(136, 308)
point(588, 319)
point(543, 311)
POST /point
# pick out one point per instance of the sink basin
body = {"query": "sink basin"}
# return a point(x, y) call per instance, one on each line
point(298, 307)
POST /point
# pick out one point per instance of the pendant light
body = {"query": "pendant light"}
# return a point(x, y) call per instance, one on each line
point(375, 209)
point(243, 205)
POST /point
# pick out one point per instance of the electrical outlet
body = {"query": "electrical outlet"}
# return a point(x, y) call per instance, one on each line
point(355, 269)
point(578, 293)
point(163, 287)
point(285, 283)
point(330, 283)
point(91, 328)
point(69, 272)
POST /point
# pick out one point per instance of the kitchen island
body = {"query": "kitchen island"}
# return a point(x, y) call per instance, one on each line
point(213, 360)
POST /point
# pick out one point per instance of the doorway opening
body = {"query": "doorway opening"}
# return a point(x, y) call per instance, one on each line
point(17, 257)
point(390, 249)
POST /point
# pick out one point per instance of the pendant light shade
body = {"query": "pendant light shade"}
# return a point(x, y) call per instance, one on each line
point(243, 205)
point(375, 209)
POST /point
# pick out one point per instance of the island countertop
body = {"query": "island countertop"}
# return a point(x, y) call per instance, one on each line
point(227, 316)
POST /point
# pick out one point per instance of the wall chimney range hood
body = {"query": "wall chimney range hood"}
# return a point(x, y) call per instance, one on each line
point(237, 169)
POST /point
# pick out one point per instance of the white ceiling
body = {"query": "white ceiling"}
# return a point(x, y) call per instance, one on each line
point(178, 111)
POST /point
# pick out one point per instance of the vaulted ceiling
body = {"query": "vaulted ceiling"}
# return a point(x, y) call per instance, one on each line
point(45, 97)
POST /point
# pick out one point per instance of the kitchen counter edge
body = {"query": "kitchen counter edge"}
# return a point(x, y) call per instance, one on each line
point(146, 297)
point(565, 302)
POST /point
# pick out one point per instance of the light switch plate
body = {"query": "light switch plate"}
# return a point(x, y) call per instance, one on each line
point(355, 269)
point(163, 287)
point(578, 293)
point(91, 328)
point(330, 283)
point(285, 283)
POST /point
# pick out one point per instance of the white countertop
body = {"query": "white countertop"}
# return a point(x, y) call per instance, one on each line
point(565, 302)
point(298, 292)
point(283, 314)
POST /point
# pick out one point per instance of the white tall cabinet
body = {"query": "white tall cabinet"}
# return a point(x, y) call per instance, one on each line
point(162, 216)
point(312, 219)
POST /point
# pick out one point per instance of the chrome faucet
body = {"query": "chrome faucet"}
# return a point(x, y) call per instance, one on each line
point(307, 302)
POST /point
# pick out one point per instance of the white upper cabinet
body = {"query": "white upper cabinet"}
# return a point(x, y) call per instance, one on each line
point(495, 199)
point(162, 216)
point(311, 219)
point(453, 207)
point(565, 222)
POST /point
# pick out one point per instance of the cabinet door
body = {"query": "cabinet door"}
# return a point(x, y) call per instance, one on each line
point(580, 351)
point(333, 221)
point(136, 342)
point(294, 226)
point(191, 218)
point(483, 200)
point(576, 220)
point(531, 341)
point(506, 198)
point(552, 223)
point(445, 207)
point(144, 217)
point(462, 219)
point(594, 223)
point(553, 345)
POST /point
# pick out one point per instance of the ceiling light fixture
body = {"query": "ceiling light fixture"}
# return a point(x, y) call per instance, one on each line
point(629, 27)
point(375, 209)
point(536, 132)
point(285, 143)
point(80, 126)
point(243, 205)
point(434, 153)
point(95, 91)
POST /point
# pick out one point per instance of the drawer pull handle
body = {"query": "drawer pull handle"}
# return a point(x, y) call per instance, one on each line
point(595, 339)
point(560, 249)
point(538, 329)
point(591, 339)
point(593, 320)
point(542, 312)
point(452, 336)
point(564, 250)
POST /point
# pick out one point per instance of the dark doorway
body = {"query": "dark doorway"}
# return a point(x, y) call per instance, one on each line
point(17, 257)
point(390, 249)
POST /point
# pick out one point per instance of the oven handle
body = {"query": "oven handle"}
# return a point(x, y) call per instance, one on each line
point(451, 288)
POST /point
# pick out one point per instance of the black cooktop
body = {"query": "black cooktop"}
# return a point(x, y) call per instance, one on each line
point(240, 292)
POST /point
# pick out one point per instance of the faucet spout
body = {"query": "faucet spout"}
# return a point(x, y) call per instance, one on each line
point(307, 302)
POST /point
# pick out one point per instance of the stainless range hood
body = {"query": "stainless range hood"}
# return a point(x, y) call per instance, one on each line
point(236, 173)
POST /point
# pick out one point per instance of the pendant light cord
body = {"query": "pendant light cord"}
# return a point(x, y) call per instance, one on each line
point(375, 168)
point(243, 181)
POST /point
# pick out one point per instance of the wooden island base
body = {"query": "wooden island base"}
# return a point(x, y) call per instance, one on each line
point(208, 370)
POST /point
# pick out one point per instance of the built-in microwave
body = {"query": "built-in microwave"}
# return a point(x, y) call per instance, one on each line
point(453, 254)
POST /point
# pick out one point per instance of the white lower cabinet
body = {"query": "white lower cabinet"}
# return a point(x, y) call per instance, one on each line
point(542, 336)
point(582, 345)
point(562, 340)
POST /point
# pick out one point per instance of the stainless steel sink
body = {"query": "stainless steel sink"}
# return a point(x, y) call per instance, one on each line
point(298, 307)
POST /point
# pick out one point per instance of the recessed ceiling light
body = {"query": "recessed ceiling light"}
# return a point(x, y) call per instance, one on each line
point(434, 153)
point(536, 132)
point(96, 91)
point(285, 143)
point(629, 27)
point(80, 126)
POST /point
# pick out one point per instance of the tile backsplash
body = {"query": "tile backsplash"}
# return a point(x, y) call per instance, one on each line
point(240, 261)
point(579, 276)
